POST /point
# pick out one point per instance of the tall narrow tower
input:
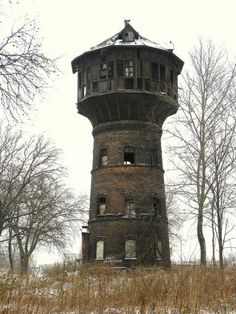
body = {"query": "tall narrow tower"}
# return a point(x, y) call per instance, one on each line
point(127, 87)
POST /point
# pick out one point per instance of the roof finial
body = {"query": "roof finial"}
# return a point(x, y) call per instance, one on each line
point(126, 22)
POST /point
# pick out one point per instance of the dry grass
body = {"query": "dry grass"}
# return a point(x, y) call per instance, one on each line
point(104, 290)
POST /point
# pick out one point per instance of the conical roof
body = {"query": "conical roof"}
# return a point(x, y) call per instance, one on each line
point(128, 36)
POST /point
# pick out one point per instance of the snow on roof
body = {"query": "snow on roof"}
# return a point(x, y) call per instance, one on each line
point(119, 39)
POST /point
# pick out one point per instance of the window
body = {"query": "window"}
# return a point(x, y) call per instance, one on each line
point(103, 157)
point(156, 207)
point(128, 155)
point(88, 77)
point(154, 71)
point(100, 250)
point(130, 249)
point(95, 87)
point(162, 77)
point(120, 68)
point(140, 68)
point(171, 77)
point(110, 69)
point(103, 71)
point(140, 83)
point(128, 36)
point(129, 208)
point(138, 53)
point(129, 68)
point(101, 205)
point(147, 84)
point(129, 83)
point(79, 79)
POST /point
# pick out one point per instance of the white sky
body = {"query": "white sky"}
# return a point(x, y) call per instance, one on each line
point(68, 28)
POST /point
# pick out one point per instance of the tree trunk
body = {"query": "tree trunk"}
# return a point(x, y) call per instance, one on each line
point(201, 238)
point(24, 264)
point(11, 262)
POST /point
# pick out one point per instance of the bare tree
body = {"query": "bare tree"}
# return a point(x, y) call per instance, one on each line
point(48, 216)
point(223, 187)
point(24, 69)
point(22, 163)
point(208, 94)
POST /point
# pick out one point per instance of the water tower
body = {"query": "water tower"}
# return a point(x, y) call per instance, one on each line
point(127, 87)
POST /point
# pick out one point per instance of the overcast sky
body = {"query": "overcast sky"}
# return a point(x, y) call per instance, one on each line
point(70, 27)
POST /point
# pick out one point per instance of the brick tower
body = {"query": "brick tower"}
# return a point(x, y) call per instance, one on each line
point(127, 87)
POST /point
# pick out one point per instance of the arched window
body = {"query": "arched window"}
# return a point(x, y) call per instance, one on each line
point(101, 205)
point(103, 157)
point(100, 250)
point(128, 155)
point(130, 249)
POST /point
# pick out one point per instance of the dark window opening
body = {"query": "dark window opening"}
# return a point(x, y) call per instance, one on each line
point(162, 72)
point(103, 157)
point(88, 77)
point(79, 80)
point(140, 83)
point(163, 77)
point(120, 68)
point(140, 68)
point(147, 85)
point(103, 71)
point(128, 155)
point(154, 71)
point(171, 77)
point(110, 69)
point(95, 87)
point(101, 205)
point(129, 83)
point(138, 53)
point(129, 68)
point(157, 212)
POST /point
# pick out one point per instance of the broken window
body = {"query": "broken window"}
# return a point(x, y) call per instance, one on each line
point(140, 68)
point(95, 87)
point(171, 77)
point(147, 84)
point(163, 77)
point(110, 69)
point(130, 249)
point(101, 205)
point(103, 71)
point(128, 36)
point(120, 68)
point(88, 78)
point(128, 155)
point(103, 157)
point(129, 83)
point(129, 68)
point(154, 71)
point(138, 53)
point(79, 79)
point(157, 207)
point(129, 208)
point(140, 83)
point(100, 250)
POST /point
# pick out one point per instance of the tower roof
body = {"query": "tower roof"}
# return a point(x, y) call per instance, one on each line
point(128, 36)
